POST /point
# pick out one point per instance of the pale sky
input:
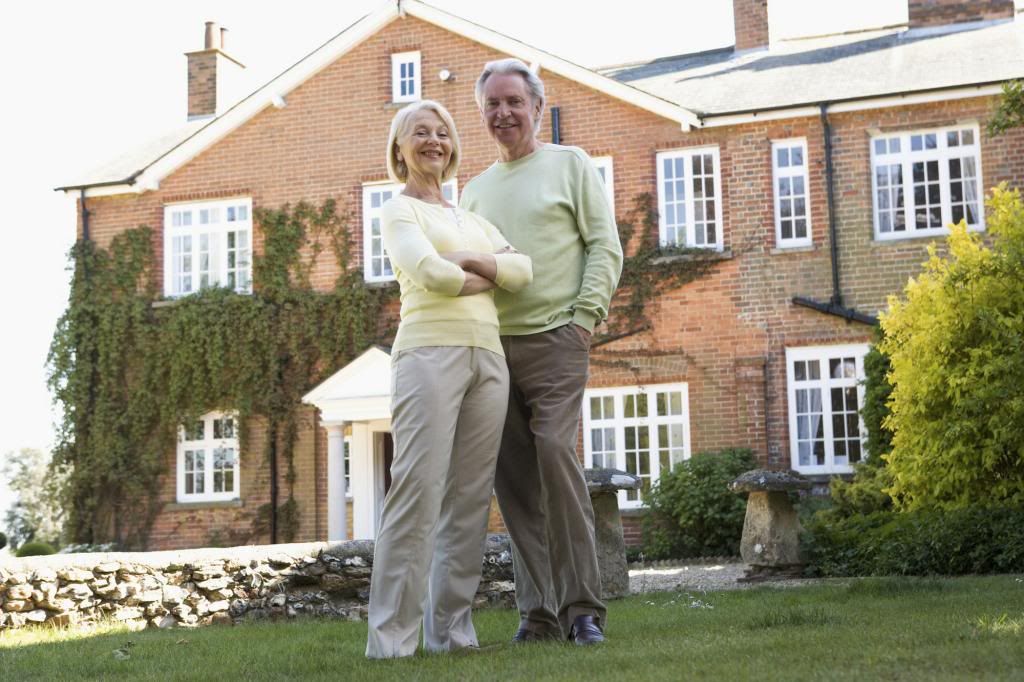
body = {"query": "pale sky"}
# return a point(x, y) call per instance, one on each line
point(83, 82)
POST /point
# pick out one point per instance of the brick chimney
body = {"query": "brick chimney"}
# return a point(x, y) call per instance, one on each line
point(750, 20)
point(210, 72)
point(927, 13)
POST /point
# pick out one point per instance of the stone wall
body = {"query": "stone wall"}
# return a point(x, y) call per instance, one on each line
point(189, 588)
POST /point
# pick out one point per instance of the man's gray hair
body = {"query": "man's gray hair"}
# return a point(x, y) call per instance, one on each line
point(534, 85)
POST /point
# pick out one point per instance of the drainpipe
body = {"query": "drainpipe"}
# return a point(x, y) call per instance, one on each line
point(835, 304)
point(273, 483)
point(837, 297)
point(85, 216)
point(556, 125)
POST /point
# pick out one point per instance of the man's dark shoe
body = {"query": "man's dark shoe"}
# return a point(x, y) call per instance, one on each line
point(585, 631)
point(524, 635)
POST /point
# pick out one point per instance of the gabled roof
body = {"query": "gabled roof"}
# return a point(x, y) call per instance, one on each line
point(358, 391)
point(862, 65)
point(144, 168)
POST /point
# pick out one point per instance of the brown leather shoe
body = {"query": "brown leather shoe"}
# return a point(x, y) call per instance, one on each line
point(585, 631)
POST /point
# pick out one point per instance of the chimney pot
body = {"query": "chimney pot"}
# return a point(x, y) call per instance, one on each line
point(212, 41)
point(223, 35)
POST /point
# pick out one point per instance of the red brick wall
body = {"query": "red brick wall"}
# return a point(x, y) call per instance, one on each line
point(724, 334)
point(940, 12)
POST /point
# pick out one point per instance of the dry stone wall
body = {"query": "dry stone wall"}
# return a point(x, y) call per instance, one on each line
point(190, 588)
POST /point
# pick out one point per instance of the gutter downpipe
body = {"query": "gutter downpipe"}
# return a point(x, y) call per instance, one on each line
point(837, 297)
point(85, 216)
point(835, 304)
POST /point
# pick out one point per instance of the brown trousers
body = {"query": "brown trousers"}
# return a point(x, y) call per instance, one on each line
point(447, 404)
point(540, 485)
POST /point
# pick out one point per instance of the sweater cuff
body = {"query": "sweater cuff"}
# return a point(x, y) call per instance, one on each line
point(585, 319)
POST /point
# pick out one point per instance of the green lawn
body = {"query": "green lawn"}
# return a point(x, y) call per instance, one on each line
point(891, 629)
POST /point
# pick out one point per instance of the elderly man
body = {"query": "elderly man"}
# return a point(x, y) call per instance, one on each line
point(549, 201)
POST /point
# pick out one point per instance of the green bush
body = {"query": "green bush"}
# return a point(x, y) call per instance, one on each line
point(923, 542)
point(956, 343)
point(692, 511)
point(35, 549)
point(3, 540)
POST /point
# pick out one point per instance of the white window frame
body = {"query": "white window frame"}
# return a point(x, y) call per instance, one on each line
point(822, 354)
point(688, 204)
point(789, 174)
point(372, 235)
point(406, 59)
point(227, 219)
point(905, 157)
point(209, 444)
point(346, 461)
point(619, 423)
point(606, 168)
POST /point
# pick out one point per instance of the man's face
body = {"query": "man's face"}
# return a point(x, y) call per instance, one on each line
point(508, 110)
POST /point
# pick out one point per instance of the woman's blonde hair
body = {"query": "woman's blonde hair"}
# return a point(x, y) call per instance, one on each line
point(398, 171)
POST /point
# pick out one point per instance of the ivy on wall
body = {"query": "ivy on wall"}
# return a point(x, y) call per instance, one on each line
point(649, 270)
point(127, 372)
point(128, 369)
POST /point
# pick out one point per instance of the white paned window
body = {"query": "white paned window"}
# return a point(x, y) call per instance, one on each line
point(643, 430)
point(792, 207)
point(208, 244)
point(208, 467)
point(826, 394)
point(405, 77)
point(376, 264)
point(689, 199)
point(606, 170)
point(347, 459)
point(924, 180)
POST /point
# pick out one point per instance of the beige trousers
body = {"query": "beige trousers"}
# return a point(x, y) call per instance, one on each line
point(447, 411)
point(540, 485)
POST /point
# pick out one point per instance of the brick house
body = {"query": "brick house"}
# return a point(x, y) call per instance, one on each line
point(816, 170)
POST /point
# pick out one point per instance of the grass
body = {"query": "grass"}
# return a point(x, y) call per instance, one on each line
point(892, 629)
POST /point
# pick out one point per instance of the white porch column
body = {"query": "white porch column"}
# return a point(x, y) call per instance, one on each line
point(337, 521)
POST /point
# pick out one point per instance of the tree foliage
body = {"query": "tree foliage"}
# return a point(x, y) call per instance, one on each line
point(1009, 112)
point(35, 514)
point(956, 343)
point(127, 372)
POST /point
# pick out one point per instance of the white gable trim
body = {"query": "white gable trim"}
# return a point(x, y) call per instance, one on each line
point(277, 89)
point(544, 60)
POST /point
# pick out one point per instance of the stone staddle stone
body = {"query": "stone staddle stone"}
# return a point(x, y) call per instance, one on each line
point(603, 484)
point(771, 529)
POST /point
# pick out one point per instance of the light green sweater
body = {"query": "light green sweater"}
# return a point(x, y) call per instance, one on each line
point(433, 314)
point(551, 205)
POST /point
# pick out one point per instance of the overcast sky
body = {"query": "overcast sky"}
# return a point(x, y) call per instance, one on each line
point(83, 82)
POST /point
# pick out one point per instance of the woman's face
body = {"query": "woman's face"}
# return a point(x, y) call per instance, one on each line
point(425, 146)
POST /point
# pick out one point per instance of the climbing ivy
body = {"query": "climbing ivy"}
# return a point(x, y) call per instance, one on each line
point(648, 270)
point(128, 369)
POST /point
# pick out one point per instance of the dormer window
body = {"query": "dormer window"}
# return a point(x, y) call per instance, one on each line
point(405, 77)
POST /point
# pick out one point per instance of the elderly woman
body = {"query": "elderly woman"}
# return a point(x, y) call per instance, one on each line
point(449, 395)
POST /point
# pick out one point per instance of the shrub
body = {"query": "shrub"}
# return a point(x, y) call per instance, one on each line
point(922, 542)
point(35, 549)
point(692, 511)
point(957, 349)
point(3, 540)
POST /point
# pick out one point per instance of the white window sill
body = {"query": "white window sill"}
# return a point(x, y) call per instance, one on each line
point(187, 505)
point(783, 250)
